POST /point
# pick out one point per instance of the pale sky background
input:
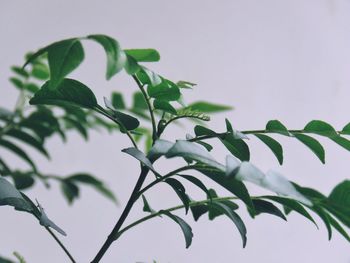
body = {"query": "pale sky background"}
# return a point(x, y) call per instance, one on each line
point(286, 60)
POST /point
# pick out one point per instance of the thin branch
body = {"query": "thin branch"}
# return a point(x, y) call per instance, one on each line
point(191, 204)
point(61, 245)
point(150, 108)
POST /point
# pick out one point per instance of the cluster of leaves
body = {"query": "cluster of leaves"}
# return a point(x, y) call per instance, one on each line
point(33, 126)
point(159, 102)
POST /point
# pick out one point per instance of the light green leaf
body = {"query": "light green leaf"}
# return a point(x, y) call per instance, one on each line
point(207, 107)
point(143, 55)
point(163, 91)
point(9, 195)
point(164, 106)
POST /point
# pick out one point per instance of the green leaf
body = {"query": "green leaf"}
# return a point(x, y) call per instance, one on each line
point(139, 101)
point(131, 67)
point(325, 218)
point(195, 181)
point(207, 107)
point(198, 211)
point(71, 122)
point(115, 55)
point(272, 181)
point(338, 202)
point(292, 205)
point(276, 126)
point(313, 145)
point(146, 76)
point(160, 148)
point(143, 55)
point(9, 195)
point(320, 128)
point(164, 106)
point(137, 154)
point(163, 91)
point(185, 84)
point(94, 182)
point(146, 206)
point(69, 91)
point(334, 223)
point(237, 147)
point(40, 71)
point(186, 229)
point(22, 180)
point(274, 146)
point(118, 101)
point(262, 206)
point(17, 82)
point(20, 71)
point(28, 139)
point(18, 151)
point(230, 183)
point(343, 142)
point(180, 191)
point(204, 131)
point(31, 87)
point(346, 129)
point(193, 151)
point(70, 190)
point(235, 219)
point(64, 56)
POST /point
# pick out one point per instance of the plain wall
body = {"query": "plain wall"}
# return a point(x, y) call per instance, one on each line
point(286, 60)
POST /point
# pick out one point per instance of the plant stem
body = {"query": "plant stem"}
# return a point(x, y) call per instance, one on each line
point(191, 204)
point(150, 108)
point(61, 245)
point(133, 197)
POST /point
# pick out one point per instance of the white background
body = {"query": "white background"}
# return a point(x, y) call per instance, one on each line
point(286, 60)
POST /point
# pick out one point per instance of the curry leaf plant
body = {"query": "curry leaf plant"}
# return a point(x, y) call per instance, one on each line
point(157, 105)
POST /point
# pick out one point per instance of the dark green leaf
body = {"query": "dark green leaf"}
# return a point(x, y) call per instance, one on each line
point(338, 202)
point(292, 205)
point(277, 127)
point(231, 184)
point(18, 151)
point(144, 55)
point(320, 128)
point(94, 182)
point(22, 180)
point(334, 223)
point(346, 129)
point(164, 106)
point(146, 206)
point(69, 91)
point(28, 139)
point(198, 211)
point(180, 191)
point(118, 101)
point(274, 146)
point(203, 131)
point(262, 206)
point(64, 56)
point(237, 147)
point(343, 142)
point(70, 190)
point(196, 182)
point(186, 229)
point(115, 55)
point(207, 107)
point(313, 145)
point(235, 219)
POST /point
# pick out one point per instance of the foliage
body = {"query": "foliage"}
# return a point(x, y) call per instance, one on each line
point(157, 104)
